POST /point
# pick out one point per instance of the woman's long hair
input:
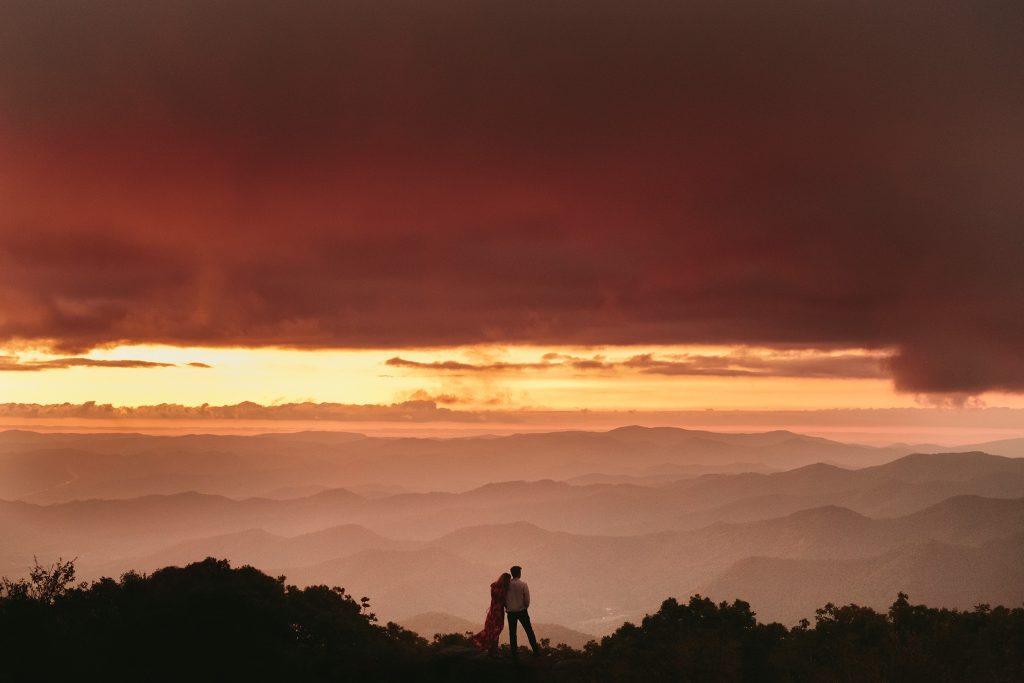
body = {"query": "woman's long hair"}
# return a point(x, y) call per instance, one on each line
point(503, 581)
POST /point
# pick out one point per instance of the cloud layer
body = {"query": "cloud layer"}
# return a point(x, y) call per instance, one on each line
point(740, 363)
point(408, 174)
point(14, 364)
point(934, 424)
point(405, 411)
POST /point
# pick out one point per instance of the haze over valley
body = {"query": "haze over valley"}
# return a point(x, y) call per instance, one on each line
point(606, 524)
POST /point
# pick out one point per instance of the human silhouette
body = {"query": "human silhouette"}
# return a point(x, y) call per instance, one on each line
point(494, 621)
point(517, 600)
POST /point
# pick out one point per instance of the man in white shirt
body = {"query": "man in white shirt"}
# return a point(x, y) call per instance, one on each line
point(517, 600)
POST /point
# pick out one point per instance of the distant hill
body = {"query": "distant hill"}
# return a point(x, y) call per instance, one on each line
point(955, 576)
point(262, 549)
point(95, 529)
point(592, 583)
point(288, 492)
point(49, 468)
point(404, 582)
point(1010, 448)
point(899, 487)
point(945, 466)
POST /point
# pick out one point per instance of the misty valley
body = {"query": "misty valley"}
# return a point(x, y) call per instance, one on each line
point(606, 525)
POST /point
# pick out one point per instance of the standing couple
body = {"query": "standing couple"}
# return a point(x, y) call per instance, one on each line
point(511, 595)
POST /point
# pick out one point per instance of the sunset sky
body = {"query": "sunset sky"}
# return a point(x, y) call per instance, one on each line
point(514, 206)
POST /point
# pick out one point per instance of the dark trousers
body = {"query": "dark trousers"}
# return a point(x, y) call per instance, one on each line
point(524, 619)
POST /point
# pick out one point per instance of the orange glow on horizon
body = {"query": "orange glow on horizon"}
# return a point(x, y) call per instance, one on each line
point(500, 378)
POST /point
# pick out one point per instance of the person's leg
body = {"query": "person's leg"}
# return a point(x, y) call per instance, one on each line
point(524, 617)
point(512, 636)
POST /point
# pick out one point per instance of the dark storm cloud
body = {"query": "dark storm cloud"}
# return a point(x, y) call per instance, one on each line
point(396, 174)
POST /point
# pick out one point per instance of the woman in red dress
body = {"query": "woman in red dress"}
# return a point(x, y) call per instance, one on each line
point(495, 620)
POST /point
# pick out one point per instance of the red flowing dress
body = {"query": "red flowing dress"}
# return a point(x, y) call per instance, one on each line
point(494, 622)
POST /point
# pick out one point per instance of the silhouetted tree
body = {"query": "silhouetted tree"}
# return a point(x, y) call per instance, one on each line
point(209, 621)
point(698, 641)
point(206, 621)
point(44, 583)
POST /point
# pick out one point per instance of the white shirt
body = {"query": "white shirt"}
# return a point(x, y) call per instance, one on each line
point(518, 597)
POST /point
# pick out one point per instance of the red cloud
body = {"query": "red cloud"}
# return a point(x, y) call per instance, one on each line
point(352, 175)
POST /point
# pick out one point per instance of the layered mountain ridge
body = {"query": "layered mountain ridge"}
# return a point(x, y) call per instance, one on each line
point(603, 536)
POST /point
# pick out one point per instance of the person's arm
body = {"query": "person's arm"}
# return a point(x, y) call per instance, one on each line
point(526, 596)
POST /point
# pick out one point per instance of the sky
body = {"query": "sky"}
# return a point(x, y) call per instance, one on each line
point(513, 206)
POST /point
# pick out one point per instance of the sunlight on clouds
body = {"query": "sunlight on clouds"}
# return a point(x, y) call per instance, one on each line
point(598, 378)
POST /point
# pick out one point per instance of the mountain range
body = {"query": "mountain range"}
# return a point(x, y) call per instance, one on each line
point(49, 468)
point(618, 522)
